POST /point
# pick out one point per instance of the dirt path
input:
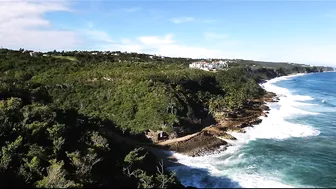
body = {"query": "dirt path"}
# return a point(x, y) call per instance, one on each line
point(167, 142)
point(167, 156)
point(117, 138)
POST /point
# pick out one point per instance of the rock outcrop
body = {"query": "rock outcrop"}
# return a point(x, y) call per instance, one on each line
point(214, 138)
point(202, 143)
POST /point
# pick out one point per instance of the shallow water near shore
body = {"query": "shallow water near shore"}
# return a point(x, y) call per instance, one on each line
point(295, 146)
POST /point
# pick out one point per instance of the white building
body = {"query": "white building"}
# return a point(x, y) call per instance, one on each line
point(203, 65)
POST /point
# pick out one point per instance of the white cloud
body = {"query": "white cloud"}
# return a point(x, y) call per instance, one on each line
point(162, 45)
point(178, 50)
point(97, 36)
point(208, 21)
point(180, 20)
point(22, 25)
point(156, 40)
point(133, 9)
point(166, 46)
point(211, 35)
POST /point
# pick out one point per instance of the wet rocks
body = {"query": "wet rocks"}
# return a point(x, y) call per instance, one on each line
point(264, 108)
point(198, 145)
point(227, 136)
point(255, 121)
point(236, 129)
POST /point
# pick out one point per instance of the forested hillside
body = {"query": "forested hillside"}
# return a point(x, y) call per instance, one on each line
point(53, 109)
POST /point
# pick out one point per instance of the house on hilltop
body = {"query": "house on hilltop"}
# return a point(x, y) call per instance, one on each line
point(209, 66)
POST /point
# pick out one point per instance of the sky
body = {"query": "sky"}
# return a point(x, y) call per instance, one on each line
point(268, 30)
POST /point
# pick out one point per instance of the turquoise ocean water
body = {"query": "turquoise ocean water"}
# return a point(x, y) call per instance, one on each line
point(295, 146)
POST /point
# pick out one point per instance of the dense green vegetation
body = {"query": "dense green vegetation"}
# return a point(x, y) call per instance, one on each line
point(53, 109)
point(52, 148)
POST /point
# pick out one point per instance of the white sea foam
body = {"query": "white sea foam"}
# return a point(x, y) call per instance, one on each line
point(274, 126)
point(260, 181)
point(227, 170)
point(304, 104)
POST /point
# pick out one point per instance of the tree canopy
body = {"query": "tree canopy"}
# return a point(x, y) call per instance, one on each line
point(54, 105)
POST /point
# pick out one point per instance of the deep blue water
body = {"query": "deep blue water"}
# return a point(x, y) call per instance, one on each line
point(295, 146)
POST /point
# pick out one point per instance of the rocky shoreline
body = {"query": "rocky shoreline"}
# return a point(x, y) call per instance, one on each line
point(213, 139)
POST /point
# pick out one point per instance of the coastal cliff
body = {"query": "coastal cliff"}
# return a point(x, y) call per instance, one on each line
point(213, 139)
point(97, 119)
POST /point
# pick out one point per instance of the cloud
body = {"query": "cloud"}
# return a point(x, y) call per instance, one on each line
point(180, 20)
point(163, 45)
point(166, 45)
point(96, 35)
point(208, 21)
point(210, 35)
point(133, 9)
point(22, 25)
point(156, 40)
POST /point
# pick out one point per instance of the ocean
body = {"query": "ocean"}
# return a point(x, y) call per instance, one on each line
point(295, 146)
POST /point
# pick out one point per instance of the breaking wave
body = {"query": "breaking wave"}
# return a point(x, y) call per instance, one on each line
point(233, 167)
